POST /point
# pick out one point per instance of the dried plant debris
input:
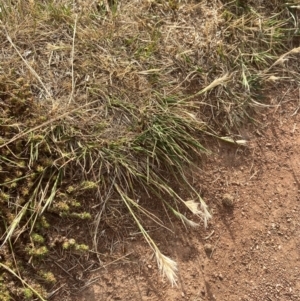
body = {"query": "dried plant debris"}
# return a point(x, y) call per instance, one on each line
point(102, 101)
point(228, 200)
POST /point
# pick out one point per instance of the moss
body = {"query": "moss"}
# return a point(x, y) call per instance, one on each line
point(37, 238)
point(61, 206)
point(48, 277)
point(42, 223)
point(28, 294)
point(69, 243)
point(82, 215)
point(37, 252)
point(4, 292)
point(81, 247)
point(88, 185)
point(4, 197)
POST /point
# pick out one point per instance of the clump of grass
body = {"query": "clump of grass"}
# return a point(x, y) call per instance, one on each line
point(120, 100)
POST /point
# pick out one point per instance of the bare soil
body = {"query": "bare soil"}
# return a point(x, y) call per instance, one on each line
point(251, 248)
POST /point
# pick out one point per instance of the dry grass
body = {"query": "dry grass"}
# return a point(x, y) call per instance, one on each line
point(103, 99)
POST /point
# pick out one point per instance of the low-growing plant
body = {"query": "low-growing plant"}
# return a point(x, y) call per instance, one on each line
point(4, 292)
point(48, 277)
point(102, 111)
point(37, 252)
point(71, 244)
point(37, 238)
point(28, 293)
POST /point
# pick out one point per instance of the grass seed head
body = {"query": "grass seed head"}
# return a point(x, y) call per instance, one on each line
point(203, 212)
point(167, 267)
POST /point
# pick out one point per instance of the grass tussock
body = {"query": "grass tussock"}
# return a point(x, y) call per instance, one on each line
point(104, 99)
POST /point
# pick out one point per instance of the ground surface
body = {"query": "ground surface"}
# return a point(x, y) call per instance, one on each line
point(102, 104)
point(250, 251)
